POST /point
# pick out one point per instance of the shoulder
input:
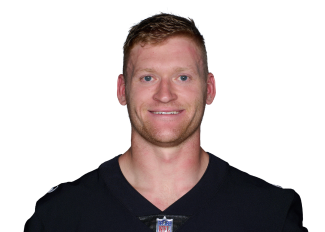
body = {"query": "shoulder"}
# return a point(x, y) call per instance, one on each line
point(63, 201)
point(252, 186)
point(266, 200)
point(244, 179)
point(240, 189)
point(69, 192)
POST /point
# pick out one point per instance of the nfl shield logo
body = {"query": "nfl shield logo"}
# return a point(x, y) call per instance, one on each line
point(164, 225)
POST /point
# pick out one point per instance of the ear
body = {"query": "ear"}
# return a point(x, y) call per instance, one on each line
point(121, 90)
point(211, 89)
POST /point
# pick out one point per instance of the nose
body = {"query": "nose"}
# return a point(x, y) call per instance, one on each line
point(165, 92)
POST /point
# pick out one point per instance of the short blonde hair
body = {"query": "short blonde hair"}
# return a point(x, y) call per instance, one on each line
point(156, 29)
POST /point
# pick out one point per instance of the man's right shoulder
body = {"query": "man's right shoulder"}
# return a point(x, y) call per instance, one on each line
point(70, 191)
point(61, 202)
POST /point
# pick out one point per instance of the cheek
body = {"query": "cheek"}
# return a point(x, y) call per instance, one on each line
point(139, 98)
point(192, 94)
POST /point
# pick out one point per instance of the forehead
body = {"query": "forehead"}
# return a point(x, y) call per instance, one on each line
point(174, 53)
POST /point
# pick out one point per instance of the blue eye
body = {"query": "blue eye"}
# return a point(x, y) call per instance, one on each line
point(183, 78)
point(147, 78)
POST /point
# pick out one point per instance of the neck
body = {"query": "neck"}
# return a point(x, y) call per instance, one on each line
point(164, 174)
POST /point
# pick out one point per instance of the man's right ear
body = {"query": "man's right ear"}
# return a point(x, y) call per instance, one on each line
point(121, 90)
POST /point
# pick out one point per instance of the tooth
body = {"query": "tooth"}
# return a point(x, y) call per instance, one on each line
point(161, 112)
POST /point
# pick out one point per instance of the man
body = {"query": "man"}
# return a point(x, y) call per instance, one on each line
point(166, 181)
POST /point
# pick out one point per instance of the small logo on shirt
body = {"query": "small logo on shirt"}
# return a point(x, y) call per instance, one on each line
point(53, 189)
point(164, 225)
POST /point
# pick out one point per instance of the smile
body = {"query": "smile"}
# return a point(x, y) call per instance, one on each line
point(162, 112)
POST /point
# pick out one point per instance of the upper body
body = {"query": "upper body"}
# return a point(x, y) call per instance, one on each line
point(166, 85)
point(225, 199)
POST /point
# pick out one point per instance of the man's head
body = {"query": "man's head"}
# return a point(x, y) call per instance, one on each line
point(158, 28)
point(167, 83)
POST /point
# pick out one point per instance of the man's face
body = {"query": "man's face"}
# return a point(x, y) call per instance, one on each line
point(166, 90)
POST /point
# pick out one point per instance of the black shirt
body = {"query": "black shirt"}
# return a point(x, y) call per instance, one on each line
point(225, 199)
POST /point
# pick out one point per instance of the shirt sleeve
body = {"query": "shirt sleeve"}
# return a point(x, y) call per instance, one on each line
point(293, 222)
point(34, 224)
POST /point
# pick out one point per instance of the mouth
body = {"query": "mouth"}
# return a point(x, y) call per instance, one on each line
point(159, 112)
point(166, 112)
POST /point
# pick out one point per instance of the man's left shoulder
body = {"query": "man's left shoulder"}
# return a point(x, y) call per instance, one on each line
point(268, 203)
point(254, 186)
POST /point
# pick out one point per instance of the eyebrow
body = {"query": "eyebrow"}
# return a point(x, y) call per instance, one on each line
point(176, 69)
